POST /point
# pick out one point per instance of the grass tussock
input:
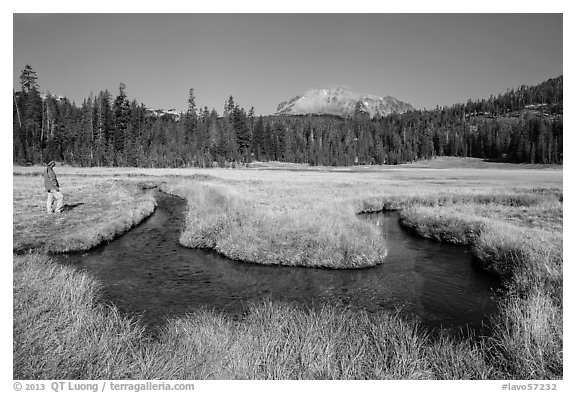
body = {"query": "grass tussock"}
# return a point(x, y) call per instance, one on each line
point(282, 341)
point(240, 229)
point(61, 331)
point(528, 340)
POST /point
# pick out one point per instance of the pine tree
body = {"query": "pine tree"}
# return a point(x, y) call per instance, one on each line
point(121, 121)
point(258, 146)
point(103, 129)
point(228, 107)
point(87, 132)
point(28, 79)
point(192, 140)
point(242, 132)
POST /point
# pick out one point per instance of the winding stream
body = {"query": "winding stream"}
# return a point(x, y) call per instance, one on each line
point(146, 272)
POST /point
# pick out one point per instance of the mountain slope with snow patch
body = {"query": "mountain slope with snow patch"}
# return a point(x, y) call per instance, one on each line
point(341, 102)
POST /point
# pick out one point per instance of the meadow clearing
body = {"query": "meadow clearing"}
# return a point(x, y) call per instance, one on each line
point(511, 216)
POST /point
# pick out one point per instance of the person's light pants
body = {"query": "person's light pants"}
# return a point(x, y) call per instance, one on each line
point(53, 194)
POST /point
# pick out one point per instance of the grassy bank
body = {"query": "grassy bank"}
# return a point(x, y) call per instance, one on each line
point(313, 236)
point(96, 210)
point(518, 237)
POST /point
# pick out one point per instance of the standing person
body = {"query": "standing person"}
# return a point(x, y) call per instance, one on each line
point(53, 189)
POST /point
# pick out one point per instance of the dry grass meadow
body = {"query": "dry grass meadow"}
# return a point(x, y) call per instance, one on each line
point(510, 215)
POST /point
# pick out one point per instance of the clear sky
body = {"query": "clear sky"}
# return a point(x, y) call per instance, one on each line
point(263, 59)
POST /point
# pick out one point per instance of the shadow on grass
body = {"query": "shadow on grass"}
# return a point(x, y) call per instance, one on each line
point(67, 208)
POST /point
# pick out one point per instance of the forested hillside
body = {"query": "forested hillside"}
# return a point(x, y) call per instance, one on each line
point(521, 125)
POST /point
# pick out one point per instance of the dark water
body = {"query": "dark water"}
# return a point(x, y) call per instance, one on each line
point(147, 272)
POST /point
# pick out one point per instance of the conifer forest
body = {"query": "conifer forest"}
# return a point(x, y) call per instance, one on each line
point(522, 125)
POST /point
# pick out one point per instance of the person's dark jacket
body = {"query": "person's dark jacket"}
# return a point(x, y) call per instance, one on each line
point(50, 181)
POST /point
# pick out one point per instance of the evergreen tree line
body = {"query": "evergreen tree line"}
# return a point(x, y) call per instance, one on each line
point(522, 125)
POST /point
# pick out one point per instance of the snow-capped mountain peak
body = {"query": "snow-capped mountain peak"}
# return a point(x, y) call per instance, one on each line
point(342, 102)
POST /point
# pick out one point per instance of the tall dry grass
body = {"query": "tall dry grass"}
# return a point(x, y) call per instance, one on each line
point(62, 331)
point(282, 341)
point(528, 339)
point(220, 219)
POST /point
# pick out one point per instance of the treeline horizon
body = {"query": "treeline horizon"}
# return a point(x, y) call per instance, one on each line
point(522, 125)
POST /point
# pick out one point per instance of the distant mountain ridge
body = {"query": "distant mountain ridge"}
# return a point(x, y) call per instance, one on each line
point(341, 102)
